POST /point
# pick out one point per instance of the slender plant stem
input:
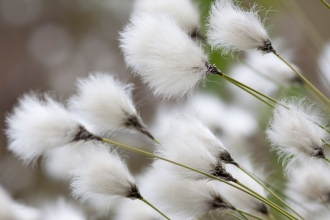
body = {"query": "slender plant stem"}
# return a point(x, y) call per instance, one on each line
point(290, 216)
point(249, 88)
point(326, 143)
point(282, 211)
point(327, 159)
point(235, 216)
point(270, 191)
point(304, 79)
point(149, 204)
point(255, 95)
point(324, 202)
point(249, 214)
point(326, 4)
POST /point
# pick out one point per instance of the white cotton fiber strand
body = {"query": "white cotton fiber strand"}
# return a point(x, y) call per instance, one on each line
point(38, 124)
point(295, 133)
point(101, 176)
point(103, 102)
point(183, 11)
point(234, 29)
point(156, 49)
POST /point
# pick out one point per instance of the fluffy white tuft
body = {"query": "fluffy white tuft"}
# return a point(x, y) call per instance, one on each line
point(181, 198)
point(103, 102)
point(163, 55)
point(101, 176)
point(190, 143)
point(233, 29)
point(62, 210)
point(183, 11)
point(38, 124)
point(295, 132)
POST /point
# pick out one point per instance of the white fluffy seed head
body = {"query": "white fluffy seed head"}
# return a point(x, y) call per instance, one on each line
point(158, 53)
point(103, 102)
point(181, 198)
point(101, 176)
point(189, 142)
point(295, 132)
point(38, 124)
point(233, 29)
point(62, 209)
point(183, 11)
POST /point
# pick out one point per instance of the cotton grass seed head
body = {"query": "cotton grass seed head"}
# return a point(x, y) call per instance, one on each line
point(295, 133)
point(101, 176)
point(194, 146)
point(164, 56)
point(183, 198)
point(233, 29)
point(106, 103)
point(185, 12)
point(39, 123)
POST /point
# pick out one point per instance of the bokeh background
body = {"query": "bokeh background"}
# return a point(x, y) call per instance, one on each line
point(46, 44)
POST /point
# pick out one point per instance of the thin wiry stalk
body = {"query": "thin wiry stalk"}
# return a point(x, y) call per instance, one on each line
point(271, 192)
point(249, 214)
point(253, 194)
point(326, 4)
point(304, 79)
point(249, 88)
point(250, 92)
point(149, 204)
point(233, 215)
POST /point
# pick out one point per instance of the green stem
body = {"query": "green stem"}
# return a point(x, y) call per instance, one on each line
point(248, 91)
point(239, 212)
point(326, 4)
point(327, 159)
point(232, 215)
point(249, 214)
point(304, 79)
point(249, 88)
point(326, 143)
point(149, 204)
point(203, 173)
point(271, 192)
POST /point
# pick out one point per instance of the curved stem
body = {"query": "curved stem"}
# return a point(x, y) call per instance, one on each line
point(266, 201)
point(149, 204)
point(271, 192)
point(326, 4)
point(235, 216)
point(249, 214)
point(304, 79)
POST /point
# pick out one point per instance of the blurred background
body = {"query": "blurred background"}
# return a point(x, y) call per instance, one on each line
point(46, 44)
